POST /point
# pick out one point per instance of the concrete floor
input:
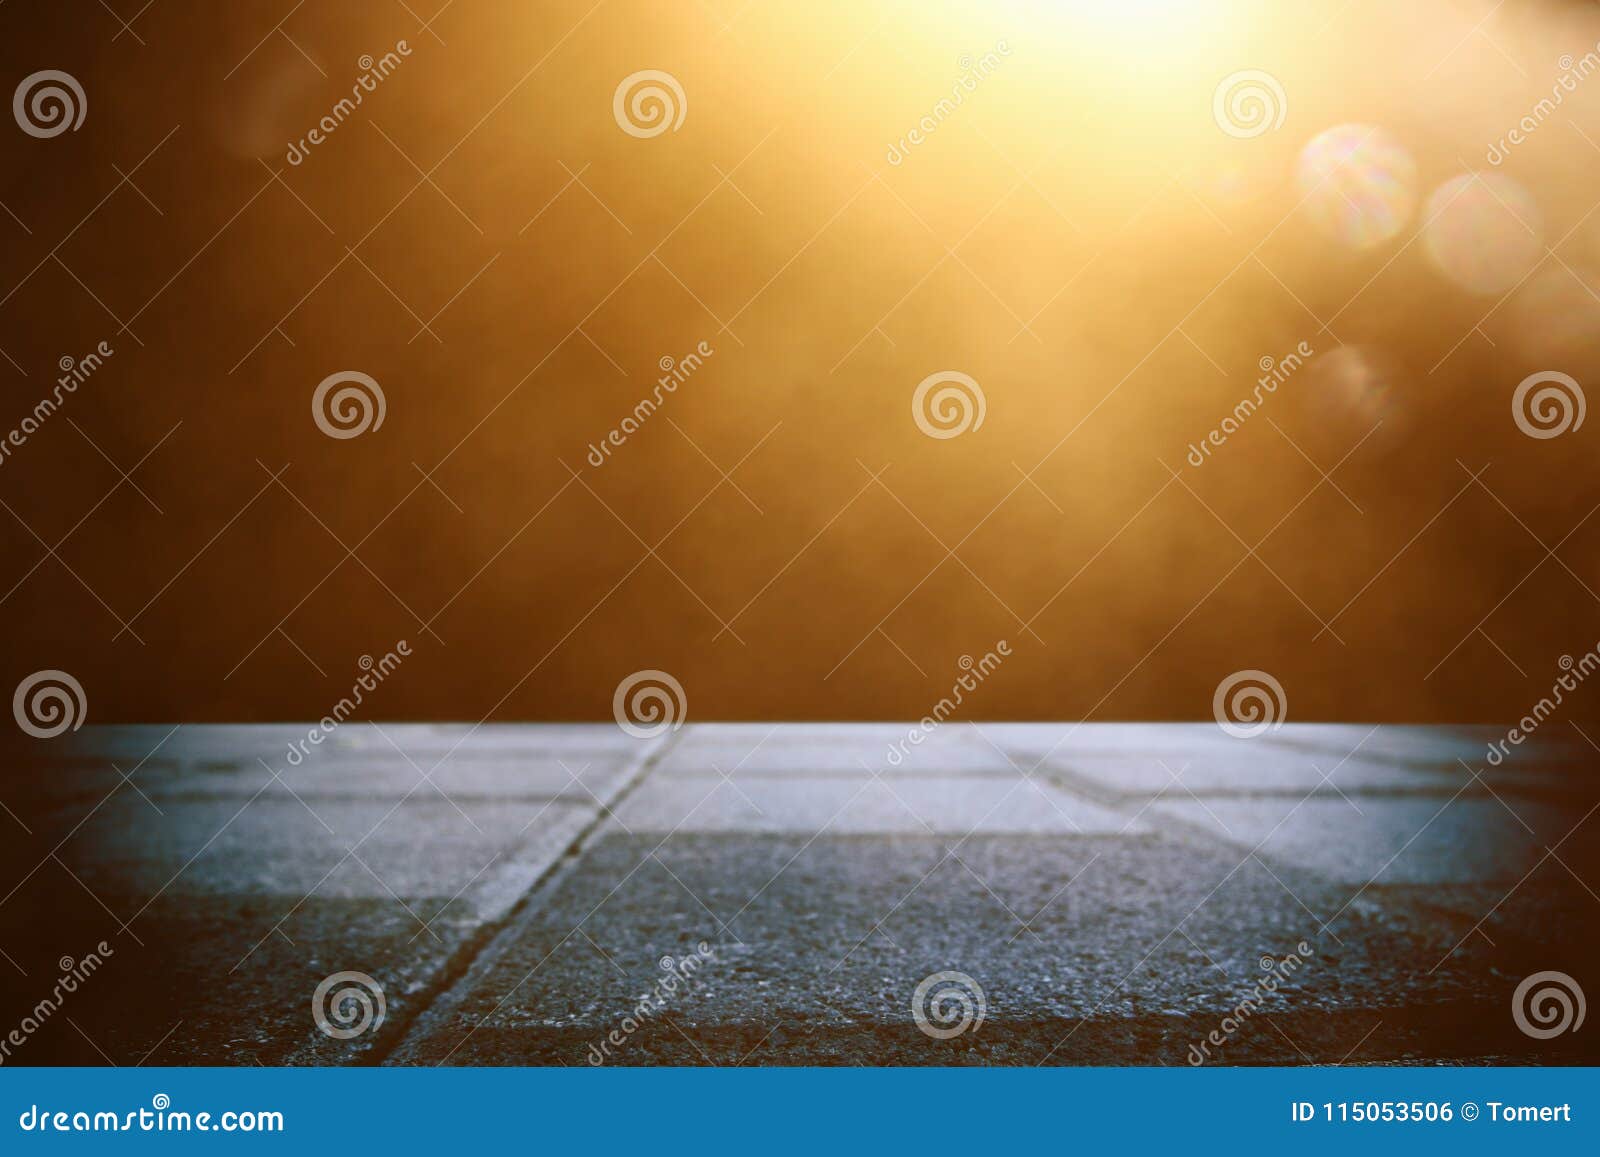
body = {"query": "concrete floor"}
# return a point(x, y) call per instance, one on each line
point(1112, 891)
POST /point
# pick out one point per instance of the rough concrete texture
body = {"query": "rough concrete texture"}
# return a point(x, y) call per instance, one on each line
point(1110, 894)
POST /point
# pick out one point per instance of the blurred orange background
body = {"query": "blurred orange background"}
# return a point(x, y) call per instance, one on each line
point(1096, 234)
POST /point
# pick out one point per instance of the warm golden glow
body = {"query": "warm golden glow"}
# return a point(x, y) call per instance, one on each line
point(1116, 218)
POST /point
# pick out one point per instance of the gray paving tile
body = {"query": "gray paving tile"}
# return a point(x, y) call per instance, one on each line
point(1254, 770)
point(1087, 950)
point(864, 751)
point(826, 895)
point(243, 743)
point(236, 908)
point(1556, 746)
point(950, 805)
point(278, 847)
point(1389, 841)
point(215, 979)
point(1037, 741)
point(464, 776)
point(353, 760)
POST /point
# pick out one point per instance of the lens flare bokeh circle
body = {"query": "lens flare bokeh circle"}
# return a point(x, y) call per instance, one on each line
point(1359, 184)
point(1483, 232)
